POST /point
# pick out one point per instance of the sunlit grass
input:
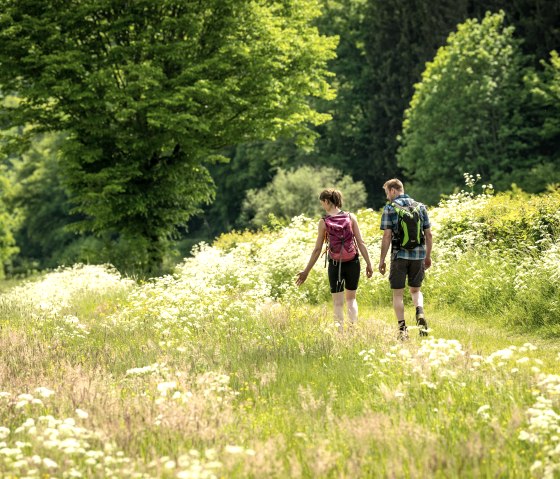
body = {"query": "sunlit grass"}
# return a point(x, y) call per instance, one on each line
point(226, 369)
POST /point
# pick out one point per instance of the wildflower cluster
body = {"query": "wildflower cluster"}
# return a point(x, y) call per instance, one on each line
point(544, 426)
point(437, 363)
point(42, 445)
point(435, 360)
point(56, 291)
point(178, 309)
point(50, 302)
point(547, 263)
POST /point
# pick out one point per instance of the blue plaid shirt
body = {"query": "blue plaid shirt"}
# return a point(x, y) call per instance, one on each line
point(389, 220)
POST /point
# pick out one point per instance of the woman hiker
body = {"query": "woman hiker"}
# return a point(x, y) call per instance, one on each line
point(343, 233)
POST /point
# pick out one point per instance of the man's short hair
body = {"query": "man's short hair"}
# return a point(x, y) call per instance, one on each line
point(393, 183)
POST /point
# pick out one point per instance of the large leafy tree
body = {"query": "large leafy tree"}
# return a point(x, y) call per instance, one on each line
point(467, 113)
point(148, 92)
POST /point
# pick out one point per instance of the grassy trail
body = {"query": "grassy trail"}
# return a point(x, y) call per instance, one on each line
point(276, 392)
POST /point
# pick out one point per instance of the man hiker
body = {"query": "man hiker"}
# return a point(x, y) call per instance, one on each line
point(406, 230)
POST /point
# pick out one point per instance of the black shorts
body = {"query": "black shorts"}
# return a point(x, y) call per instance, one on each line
point(401, 268)
point(349, 274)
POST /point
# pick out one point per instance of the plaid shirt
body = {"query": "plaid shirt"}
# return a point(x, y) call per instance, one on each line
point(389, 220)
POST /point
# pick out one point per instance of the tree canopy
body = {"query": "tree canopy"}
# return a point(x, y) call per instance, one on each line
point(147, 93)
point(147, 97)
point(467, 113)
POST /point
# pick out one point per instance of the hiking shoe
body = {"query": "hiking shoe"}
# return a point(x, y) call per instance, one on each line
point(422, 324)
point(403, 334)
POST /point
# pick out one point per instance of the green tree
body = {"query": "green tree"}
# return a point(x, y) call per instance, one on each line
point(147, 93)
point(42, 204)
point(545, 89)
point(8, 223)
point(296, 192)
point(467, 113)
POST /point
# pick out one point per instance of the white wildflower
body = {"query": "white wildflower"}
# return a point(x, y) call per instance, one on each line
point(82, 414)
point(165, 387)
point(234, 449)
point(44, 392)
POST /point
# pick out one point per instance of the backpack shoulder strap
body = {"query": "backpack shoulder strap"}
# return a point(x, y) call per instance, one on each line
point(326, 240)
point(347, 213)
point(397, 207)
point(403, 210)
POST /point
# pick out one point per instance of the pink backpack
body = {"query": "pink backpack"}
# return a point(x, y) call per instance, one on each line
point(340, 237)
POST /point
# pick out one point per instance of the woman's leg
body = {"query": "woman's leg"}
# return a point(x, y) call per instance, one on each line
point(352, 306)
point(338, 305)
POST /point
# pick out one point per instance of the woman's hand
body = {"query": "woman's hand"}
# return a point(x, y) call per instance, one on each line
point(302, 276)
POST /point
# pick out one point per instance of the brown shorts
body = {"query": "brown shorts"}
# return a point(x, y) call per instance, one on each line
point(401, 268)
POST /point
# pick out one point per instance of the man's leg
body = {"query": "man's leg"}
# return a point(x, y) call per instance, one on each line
point(352, 306)
point(398, 306)
point(338, 306)
point(418, 300)
point(417, 297)
point(415, 278)
point(397, 280)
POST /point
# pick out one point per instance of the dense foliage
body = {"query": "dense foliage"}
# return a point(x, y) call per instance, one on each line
point(146, 94)
point(152, 88)
point(382, 53)
point(39, 200)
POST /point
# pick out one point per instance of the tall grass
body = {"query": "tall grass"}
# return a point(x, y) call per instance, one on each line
point(226, 369)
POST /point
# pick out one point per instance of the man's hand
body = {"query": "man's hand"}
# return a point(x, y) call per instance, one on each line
point(369, 271)
point(302, 276)
point(382, 267)
point(427, 262)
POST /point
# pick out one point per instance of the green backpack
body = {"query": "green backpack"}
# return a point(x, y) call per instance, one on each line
point(410, 233)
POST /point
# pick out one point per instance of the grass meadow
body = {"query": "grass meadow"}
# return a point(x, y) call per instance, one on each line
point(226, 369)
